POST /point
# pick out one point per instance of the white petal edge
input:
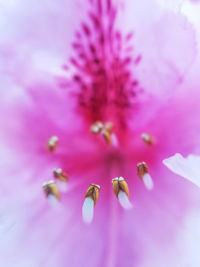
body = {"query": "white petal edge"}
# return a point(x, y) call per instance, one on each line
point(188, 168)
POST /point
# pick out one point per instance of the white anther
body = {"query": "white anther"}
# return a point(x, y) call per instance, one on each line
point(58, 170)
point(53, 140)
point(147, 138)
point(95, 129)
point(53, 200)
point(124, 200)
point(148, 182)
point(88, 210)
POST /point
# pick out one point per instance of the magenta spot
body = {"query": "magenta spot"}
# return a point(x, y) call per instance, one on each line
point(118, 35)
point(96, 61)
point(65, 67)
point(129, 36)
point(82, 55)
point(127, 60)
point(78, 35)
point(99, 7)
point(92, 48)
point(108, 5)
point(77, 46)
point(86, 29)
point(73, 61)
point(101, 39)
point(77, 78)
point(135, 83)
point(62, 82)
point(95, 20)
point(138, 59)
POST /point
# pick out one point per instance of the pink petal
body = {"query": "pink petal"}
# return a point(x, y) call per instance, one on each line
point(164, 64)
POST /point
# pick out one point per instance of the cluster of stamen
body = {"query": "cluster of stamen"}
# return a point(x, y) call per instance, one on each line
point(52, 188)
point(120, 186)
point(120, 189)
point(106, 130)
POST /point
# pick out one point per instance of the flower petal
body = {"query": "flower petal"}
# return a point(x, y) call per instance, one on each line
point(188, 167)
point(164, 64)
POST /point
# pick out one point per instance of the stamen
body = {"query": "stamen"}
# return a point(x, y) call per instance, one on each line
point(60, 175)
point(91, 198)
point(62, 179)
point(111, 137)
point(51, 191)
point(52, 143)
point(106, 130)
point(121, 190)
point(142, 169)
point(143, 173)
point(148, 139)
point(107, 136)
point(96, 127)
point(109, 127)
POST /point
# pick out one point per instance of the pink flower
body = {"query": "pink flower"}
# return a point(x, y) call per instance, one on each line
point(99, 90)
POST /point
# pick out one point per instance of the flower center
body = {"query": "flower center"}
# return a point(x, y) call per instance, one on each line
point(103, 65)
